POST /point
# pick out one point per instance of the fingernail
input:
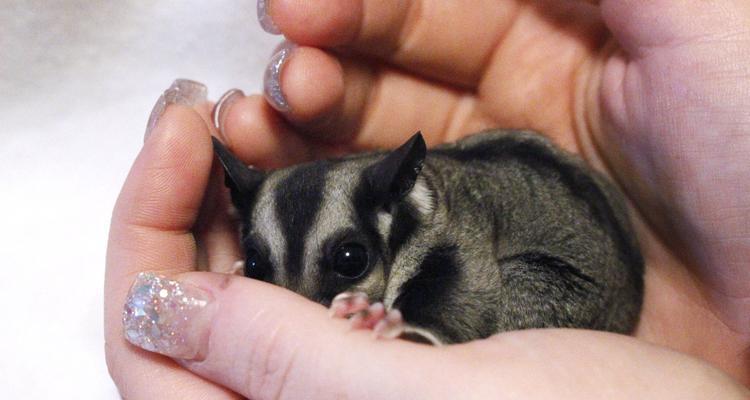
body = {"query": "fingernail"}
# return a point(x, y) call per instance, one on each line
point(182, 91)
point(167, 317)
point(265, 20)
point(221, 107)
point(272, 78)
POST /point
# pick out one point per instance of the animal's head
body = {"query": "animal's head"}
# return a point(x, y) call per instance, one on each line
point(329, 226)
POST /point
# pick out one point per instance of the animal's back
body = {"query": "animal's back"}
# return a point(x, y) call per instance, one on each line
point(523, 236)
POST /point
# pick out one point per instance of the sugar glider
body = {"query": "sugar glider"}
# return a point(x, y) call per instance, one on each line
point(499, 231)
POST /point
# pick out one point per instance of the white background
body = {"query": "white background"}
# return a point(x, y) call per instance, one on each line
point(77, 82)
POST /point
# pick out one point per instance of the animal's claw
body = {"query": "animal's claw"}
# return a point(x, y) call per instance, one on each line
point(385, 324)
point(347, 304)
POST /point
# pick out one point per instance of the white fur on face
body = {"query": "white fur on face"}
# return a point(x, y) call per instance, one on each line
point(266, 225)
point(421, 197)
point(385, 220)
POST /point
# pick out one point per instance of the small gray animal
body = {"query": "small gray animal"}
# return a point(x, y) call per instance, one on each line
point(499, 231)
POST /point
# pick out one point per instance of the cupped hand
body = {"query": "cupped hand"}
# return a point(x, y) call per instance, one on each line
point(246, 338)
point(652, 92)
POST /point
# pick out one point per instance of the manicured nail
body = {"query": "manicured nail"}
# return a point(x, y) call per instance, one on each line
point(182, 91)
point(167, 317)
point(272, 78)
point(265, 20)
point(221, 107)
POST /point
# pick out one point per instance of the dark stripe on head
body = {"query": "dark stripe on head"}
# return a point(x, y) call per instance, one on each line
point(298, 198)
point(245, 203)
point(365, 209)
point(404, 223)
point(403, 226)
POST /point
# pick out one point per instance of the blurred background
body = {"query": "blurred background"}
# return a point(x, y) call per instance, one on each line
point(77, 82)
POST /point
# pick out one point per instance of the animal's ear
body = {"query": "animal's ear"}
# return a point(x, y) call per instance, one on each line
point(241, 180)
point(394, 176)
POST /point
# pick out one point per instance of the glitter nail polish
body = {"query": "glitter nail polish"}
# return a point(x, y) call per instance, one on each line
point(182, 91)
point(272, 78)
point(265, 20)
point(167, 317)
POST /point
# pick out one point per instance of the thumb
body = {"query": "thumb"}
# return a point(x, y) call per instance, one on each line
point(263, 341)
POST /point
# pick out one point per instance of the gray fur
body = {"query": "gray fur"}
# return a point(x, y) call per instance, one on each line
point(501, 231)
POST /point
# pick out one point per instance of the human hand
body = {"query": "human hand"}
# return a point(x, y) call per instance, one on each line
point(653, 93)
point(135, 249)
point(257, 340)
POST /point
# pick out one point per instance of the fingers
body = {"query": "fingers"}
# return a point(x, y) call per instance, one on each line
point(265, 342)
point(150, 231)
point(308, 71)
point(348, 101)
point(216, 231)
point(257, 134)
point(448, 40)
point(340, 101)
point(160, 199)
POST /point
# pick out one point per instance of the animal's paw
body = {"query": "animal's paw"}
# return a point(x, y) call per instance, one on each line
point(363, 315)
point(384, 324)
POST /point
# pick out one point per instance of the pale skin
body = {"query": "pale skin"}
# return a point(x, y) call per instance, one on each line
point(653, 93)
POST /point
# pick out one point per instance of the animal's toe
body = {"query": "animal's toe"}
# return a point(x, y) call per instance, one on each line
point(390, 326)
point(347, 304)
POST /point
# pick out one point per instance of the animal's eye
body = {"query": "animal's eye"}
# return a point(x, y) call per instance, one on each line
point(350, 260)
point(256, 265)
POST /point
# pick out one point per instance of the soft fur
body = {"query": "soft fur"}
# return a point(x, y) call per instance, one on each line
point(496, 232)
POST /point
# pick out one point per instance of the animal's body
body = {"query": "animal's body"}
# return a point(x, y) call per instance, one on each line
point(499, 231)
